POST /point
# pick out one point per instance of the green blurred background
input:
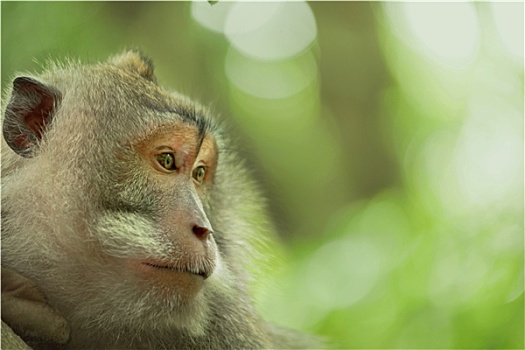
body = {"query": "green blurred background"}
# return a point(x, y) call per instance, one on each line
point(387, 136)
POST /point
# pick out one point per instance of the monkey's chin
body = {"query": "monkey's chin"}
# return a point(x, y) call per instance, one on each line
point(172, 280)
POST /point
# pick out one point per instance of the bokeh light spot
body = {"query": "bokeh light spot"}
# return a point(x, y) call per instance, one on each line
point(271, 30)
point(270, 79)
point(447, 33)
point(211, 17)
point(342, 272)
point(509, 23)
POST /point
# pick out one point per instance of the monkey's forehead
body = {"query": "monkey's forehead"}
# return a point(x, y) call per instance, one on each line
point(119, 98)
point(169, 117)
point(103, 87)
point(174, 128)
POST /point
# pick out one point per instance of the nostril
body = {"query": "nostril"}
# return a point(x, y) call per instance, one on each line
point(200, 232)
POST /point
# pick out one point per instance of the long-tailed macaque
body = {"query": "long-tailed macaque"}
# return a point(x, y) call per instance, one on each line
point(127, 217)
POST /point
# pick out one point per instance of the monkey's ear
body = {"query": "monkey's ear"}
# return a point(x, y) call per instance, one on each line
point(28, 114)
point(136, 61)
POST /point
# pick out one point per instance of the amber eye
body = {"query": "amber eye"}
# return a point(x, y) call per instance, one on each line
point(166, 160)
point(199, 173)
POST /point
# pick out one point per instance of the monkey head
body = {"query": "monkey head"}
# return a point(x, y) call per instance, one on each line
point(124, 201)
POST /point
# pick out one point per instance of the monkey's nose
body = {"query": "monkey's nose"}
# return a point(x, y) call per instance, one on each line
point(200, 232)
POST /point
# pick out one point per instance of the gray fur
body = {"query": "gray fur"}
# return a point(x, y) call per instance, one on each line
point(66, 218)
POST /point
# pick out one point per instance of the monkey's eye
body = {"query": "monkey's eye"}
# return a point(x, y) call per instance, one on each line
point(166, 160)
point(199, 173)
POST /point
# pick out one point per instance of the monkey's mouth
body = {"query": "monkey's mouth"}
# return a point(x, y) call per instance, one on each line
point(164, 266)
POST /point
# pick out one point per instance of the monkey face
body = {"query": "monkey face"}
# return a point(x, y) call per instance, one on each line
point(141, 211)
point(169, 244)
point(181, 164)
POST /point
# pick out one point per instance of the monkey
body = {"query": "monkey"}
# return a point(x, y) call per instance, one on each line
point(24, 305)
point(128, 215)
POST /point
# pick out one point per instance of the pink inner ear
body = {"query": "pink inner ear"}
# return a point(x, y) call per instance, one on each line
point(22, 142)
point(36, 119)
point(28, 114)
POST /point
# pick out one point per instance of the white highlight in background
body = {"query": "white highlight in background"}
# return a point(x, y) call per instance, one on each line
point(447, 33)
point(270, 79)
point(341, 273)
point(489, 157)
point(509, 23)
point(271, 30)
point(211, 17)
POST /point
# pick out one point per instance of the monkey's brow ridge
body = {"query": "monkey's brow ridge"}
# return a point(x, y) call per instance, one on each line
point(188, 113)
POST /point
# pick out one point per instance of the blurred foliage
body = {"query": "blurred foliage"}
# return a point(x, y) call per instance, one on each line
point(390, 147)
